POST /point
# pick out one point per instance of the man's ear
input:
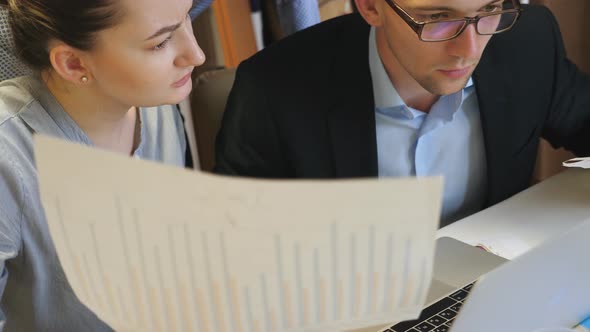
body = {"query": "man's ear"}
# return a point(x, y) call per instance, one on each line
point(68, 63)
point(370, 10)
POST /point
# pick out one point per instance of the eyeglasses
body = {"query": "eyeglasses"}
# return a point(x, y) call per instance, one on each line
point(490, 23)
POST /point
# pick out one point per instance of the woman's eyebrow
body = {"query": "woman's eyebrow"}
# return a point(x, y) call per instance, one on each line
point(167, 29)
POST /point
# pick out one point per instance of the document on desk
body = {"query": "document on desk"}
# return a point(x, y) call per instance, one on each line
point(152, 247)
point(577, 163)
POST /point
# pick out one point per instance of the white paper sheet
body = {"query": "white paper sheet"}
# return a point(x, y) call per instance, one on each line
point(151, 247)
point(577, 163)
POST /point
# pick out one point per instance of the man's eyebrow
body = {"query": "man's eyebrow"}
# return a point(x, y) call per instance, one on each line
point(444, 8)
point(167, 29)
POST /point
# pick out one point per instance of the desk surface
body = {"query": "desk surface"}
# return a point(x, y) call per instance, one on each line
point(525, 220)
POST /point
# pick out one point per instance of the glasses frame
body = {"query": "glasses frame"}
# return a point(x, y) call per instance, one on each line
point(418, 26)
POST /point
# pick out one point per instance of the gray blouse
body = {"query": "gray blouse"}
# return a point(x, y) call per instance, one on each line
point(35, 293)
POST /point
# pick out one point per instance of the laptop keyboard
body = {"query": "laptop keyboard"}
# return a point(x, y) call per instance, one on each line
point(437, 317)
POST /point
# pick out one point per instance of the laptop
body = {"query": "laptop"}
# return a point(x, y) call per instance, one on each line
point(549, 286)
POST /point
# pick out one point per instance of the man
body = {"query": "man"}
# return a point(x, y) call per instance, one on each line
point(459, 88)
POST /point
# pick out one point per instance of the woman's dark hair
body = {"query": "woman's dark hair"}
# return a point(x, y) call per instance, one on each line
point(35, 23)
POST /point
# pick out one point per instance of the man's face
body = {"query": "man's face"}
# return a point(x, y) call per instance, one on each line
point(441, 68)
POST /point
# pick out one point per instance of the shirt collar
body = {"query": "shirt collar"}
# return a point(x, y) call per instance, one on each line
point(48, 117)
point(384, 93)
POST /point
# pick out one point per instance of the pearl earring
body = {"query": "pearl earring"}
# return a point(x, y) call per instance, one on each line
point(84, 79)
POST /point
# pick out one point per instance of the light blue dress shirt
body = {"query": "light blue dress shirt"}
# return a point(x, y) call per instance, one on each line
point(446, 141)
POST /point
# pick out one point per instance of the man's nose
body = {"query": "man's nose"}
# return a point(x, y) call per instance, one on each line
point(466, 44)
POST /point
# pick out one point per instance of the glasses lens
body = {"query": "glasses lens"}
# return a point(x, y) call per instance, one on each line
point(488, 25)
point(441, 30)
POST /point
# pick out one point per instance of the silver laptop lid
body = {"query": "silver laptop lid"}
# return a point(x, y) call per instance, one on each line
point(548, 286)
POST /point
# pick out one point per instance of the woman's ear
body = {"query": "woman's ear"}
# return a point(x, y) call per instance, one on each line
point(370, 10)
point(68, 63)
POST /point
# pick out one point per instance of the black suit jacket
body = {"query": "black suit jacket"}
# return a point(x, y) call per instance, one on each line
point(304, 107)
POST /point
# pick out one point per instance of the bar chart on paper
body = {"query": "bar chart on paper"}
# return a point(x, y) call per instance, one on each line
point(240, 280)
point(237, 265)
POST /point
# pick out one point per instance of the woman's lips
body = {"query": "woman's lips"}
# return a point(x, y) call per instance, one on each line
point(182, 81)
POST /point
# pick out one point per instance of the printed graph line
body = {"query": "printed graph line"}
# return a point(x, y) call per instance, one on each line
point(392, 294)
point(235, 297)
point(229, 289)
point(143, 263)
point(204, 321)
point(200, 316)
point(264, 290)
point(316, 260)
point(357, 295)
point(299, 281)
point(281, 278)
point(92, 281)
point(335, 276)
point(353, 275)
point(69, 250)
point(408, 284)
point(371, 283)
point(214, 300)
point(136, 285)
point(249, 313)
point(163, 292)
point(85, 278)
point(306, 309)
point(219, 306)
point(178, 283)
point(376, 287)
point(422, 284)
point(115, 311)
point(323, 297)
point(387, 283)
point(187, 311)
point(340, 298)
point(122, 302)
point(289, 305)
point(123, 236)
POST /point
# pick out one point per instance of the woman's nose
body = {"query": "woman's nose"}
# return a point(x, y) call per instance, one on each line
point(190, 54)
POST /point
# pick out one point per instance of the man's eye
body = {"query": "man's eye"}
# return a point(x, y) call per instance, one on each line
point(491, 8)
point(438, 16)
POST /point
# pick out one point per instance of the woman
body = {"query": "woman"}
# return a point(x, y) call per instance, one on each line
point(101, 68)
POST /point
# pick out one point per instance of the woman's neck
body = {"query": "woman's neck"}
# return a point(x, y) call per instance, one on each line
point(109, 125)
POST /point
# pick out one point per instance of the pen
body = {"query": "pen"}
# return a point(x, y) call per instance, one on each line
point(584, 326)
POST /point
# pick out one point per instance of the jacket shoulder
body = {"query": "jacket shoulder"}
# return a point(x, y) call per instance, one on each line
point(536, 23)
point(314, 45)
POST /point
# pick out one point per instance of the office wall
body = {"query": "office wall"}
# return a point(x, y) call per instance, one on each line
point(334, 8)
point(225, 33)
point(574, 20)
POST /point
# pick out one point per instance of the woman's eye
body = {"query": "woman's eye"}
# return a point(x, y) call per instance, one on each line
point(162, 44)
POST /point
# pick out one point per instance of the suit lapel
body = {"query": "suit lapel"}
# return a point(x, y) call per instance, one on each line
point(351, 117)
point(493, 98)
